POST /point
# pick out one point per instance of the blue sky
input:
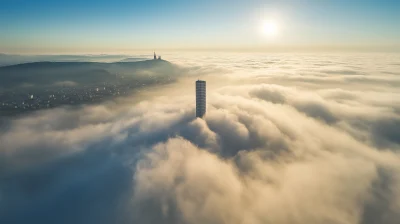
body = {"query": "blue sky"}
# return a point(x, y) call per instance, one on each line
point(43, 26)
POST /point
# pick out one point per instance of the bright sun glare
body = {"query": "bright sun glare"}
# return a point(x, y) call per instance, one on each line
point(270, 28)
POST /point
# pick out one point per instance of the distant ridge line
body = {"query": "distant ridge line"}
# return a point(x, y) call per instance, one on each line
point(66, 63)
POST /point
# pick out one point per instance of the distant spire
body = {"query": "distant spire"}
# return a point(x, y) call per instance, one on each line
point(155, 56)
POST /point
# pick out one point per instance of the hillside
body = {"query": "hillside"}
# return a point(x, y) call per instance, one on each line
point(39, 74)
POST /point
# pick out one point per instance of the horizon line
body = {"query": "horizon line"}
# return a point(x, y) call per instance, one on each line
point(270, 49)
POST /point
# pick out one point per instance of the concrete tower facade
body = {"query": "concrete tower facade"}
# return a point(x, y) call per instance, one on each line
point(200, 98)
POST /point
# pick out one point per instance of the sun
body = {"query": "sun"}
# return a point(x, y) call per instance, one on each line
point(270, 28)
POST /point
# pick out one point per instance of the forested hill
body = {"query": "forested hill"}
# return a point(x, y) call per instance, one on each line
point(83, 73)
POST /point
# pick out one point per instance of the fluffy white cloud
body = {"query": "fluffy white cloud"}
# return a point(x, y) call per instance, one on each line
point(305, 144)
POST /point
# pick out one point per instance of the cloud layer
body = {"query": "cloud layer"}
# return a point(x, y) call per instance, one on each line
point(306, 139)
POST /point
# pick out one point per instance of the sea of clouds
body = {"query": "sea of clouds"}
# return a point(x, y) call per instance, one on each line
point(287, 139)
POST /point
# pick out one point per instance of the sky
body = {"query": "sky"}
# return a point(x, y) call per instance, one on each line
point(101, 26)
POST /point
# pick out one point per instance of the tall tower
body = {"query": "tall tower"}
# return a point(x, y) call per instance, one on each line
point(200, 98)
point(155, 56)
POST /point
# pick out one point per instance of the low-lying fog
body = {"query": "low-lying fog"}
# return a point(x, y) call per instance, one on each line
point(287, 139)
